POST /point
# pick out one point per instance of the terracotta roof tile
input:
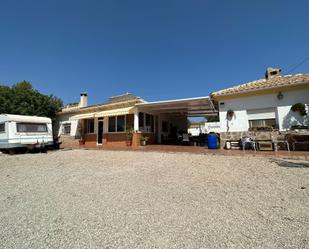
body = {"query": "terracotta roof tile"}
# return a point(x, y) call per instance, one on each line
point(274, 82)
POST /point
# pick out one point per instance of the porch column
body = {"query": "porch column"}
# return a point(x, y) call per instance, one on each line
point(105, 131)
point(105, 125)
point(136, 121)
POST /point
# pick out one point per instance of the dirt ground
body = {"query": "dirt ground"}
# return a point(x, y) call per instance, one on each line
point(127, 199)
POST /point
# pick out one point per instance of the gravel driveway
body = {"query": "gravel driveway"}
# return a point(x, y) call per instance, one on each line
point(109, 199)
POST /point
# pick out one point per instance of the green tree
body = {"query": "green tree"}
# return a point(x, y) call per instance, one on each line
point(22, 99)
point(213, 119)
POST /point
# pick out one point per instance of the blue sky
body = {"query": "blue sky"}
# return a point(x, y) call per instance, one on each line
point(158, 50)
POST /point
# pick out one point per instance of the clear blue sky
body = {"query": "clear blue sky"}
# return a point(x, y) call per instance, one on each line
point(160, 49)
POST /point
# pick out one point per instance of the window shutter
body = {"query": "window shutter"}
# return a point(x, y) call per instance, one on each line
point(268, 113)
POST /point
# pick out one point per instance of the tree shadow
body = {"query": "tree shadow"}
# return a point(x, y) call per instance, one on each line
point(290, 164)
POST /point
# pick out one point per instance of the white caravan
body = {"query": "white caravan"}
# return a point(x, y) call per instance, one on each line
point(18, 131)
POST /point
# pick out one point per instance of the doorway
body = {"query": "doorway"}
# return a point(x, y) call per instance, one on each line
point(100, 131)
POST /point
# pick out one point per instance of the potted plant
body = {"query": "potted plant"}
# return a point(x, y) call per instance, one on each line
point(230, 114)
point(81, 134)
point(129, 135)
point(299, 107)
point(81, 141)
point(144, 140)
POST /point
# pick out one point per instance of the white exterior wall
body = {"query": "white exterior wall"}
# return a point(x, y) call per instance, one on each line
point(285, 117)
point(65, 119)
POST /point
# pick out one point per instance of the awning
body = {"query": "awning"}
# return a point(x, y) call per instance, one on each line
point(191, 107)
point(115, 112)
point(83, 116)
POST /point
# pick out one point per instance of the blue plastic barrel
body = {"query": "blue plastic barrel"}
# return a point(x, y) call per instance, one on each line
point(212, 141)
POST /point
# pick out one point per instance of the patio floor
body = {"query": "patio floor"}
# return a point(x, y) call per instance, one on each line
point(200, 150)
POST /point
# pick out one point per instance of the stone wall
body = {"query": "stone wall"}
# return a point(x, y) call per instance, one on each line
point(259, 135)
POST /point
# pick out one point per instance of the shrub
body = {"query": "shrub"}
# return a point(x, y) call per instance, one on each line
point(299, 107)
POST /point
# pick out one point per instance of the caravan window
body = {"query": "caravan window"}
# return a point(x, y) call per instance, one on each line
point(31, 127)
point(2, 127)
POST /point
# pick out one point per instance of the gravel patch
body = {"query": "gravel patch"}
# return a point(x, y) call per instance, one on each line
point(110, 199)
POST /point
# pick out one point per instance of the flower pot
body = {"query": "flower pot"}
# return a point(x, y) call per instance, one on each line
point(143, 143)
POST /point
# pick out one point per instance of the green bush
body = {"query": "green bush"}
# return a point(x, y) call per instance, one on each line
point(299, 107)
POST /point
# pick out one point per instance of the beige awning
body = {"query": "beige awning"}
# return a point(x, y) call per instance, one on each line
point(115, 112)
point(83, 116)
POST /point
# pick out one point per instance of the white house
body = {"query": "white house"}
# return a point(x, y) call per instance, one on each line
point(264, 102)
point(125, 120)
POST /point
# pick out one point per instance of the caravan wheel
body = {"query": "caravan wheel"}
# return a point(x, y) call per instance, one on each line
point(11, 151)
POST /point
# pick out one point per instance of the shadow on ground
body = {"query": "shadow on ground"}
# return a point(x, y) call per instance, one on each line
point(290, 164)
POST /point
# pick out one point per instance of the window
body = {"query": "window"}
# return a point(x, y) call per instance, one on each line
point(262, 118)
point(2, 127)
point(141, 121)
point(117, 124)
point(111, 124)
point(149, 123)
point(146, 122)
point(263, 123)
point(90, 126)
point(31, 127)
point(66, 129)
point(129, 122)
point(120, 123)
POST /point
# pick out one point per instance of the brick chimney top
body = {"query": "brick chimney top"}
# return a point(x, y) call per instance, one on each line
point(272, 72)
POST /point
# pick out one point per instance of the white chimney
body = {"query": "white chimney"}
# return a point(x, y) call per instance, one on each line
point(83, 99)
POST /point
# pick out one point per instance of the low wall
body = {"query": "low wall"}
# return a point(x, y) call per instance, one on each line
point(68, 141)
point(90, 139)
point(109, 139)
point(137, 138)
point(260, 135)
point(115, 139)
